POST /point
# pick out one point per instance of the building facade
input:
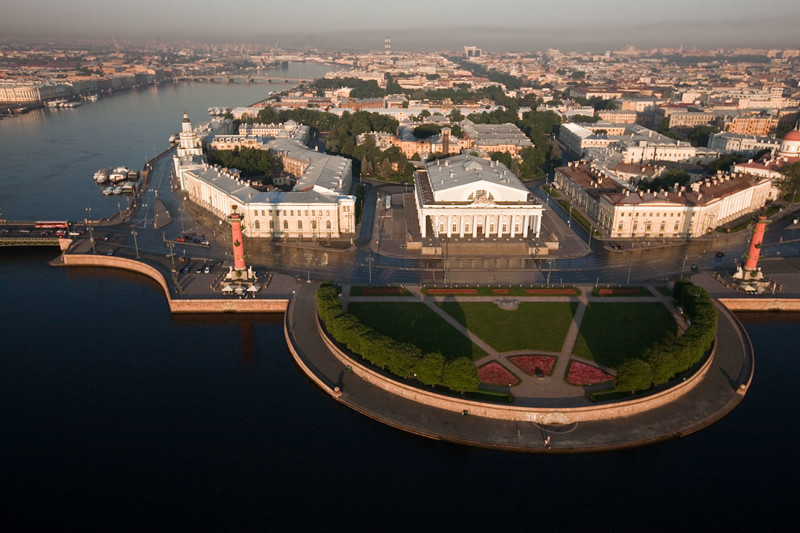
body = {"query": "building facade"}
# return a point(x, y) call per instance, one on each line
point(318, 207)
point(466, 196)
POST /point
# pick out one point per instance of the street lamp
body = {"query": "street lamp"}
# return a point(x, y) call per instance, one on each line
point(91, 233)
point(135, 242)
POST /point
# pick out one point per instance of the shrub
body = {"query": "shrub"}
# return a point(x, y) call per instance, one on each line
point(460, 375)
point(429, 368)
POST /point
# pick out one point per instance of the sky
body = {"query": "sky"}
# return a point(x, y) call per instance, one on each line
point(494, 25)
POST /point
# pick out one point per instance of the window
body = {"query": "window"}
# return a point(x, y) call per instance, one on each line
point(455, 227)
point(313, 224)
point(299, 225)
point(271, 225)
point(258, 224)
point(286, 224)
point(327, 224)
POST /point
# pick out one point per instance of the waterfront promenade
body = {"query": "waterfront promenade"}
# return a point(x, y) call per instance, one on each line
point(723, 387)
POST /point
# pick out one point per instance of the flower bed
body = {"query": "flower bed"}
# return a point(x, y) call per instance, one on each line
point(496, 374)
point(535, 365)
point(582, 374)
point(622, 291)
point(383, 290)
point(553, 292)
point(452, 291)
point(500, 291)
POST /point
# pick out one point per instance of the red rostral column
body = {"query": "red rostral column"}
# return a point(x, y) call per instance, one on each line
point(755, 244)
point(238, 244)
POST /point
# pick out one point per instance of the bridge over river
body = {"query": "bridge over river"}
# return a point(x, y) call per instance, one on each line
point(220, 78)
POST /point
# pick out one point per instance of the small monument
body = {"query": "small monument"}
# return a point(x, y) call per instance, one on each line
point(240, 279)
point(749, 276)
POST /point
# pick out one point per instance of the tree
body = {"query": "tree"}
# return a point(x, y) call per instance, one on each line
point(700, 134)
point(584, 118)
point(790, 182)
point(455, 115)
point(666, 181)
point(633, 375)
point(403, 357)
point(425, 131)
point(460, 375)
point(429, 368)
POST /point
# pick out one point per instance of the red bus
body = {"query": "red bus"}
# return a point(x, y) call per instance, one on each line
point(49, 224)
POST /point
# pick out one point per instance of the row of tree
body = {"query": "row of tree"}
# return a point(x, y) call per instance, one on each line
point(402, 359)
point(255, 164)
point(675, 354)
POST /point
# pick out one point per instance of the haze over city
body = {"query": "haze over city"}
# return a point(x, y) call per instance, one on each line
point(361, 25)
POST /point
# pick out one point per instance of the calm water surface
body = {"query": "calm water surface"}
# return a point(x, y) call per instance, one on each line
point(115, 413)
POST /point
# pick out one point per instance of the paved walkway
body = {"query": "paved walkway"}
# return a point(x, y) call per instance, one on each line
point(530, 387)
point(714, 397)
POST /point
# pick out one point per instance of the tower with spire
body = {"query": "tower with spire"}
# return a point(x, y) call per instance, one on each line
point(188, 145)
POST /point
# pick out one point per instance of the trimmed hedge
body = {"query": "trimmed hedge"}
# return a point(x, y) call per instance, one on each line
point(663, 360)
point(401, 358)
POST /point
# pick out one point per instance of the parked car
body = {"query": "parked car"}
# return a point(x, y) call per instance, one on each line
point(180, 238)
point(207, 269)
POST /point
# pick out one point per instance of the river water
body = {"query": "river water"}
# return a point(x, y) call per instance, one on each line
point(115, 413)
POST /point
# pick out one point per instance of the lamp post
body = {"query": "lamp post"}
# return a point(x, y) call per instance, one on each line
point(135, 242)
point(91, 233)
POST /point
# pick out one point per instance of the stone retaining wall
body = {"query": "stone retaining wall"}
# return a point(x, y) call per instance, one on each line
point(761, 304)
point(542, 415)
point(179, 305)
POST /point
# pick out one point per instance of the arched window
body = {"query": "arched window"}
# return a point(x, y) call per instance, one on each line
point(286, 224)
point(313, 224)
point(258, 224)
point(327, 224)
point(299, 225)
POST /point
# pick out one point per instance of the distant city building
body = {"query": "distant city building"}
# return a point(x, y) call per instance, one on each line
point(472, 51)
point(769, 165)
point(631, 142)
point(466, 196)
point(725, 141)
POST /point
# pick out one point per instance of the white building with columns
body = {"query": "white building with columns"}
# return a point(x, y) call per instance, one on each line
point(469, 196)
point(318, 207)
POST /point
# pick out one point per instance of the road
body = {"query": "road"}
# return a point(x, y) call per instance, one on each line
point(637, 263)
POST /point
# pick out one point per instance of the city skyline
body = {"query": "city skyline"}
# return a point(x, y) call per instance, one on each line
point(361, 25)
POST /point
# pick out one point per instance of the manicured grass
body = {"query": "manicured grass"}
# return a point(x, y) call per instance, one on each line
point(379, 291)
point(612, 332)
point(418, 324)
point(532, 326)
point(663, 289)
point(621, 291)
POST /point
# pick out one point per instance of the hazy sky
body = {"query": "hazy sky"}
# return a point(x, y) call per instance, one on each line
point(418, 24)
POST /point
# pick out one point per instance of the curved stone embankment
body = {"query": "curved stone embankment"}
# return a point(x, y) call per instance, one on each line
point(716, 389)
point(177, 305)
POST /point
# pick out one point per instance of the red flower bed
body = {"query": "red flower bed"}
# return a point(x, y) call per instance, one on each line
point(560, 292)
point(382, 290)
point(619, 292)
point(452, 291)
point(496, 374)
point(583, 374)
point(500, 291)
point(534, 365)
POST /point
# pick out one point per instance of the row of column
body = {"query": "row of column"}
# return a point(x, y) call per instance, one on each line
point(529, 224)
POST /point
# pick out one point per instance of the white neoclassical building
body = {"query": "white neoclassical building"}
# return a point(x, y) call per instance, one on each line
point(469, 196)
point(317, 207)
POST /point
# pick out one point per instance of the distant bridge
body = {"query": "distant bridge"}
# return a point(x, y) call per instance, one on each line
point(244, 79)
point(26, 233)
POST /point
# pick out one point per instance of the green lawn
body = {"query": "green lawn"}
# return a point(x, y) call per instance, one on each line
point(534, 325)
point(614, 332)
point(418, 324)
